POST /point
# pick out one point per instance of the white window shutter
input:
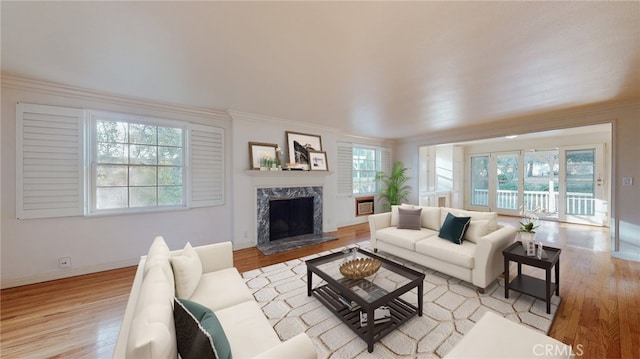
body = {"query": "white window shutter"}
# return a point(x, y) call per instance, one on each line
point(345, 169)
point(385, 160)
point(206, 168)
point(49, 161)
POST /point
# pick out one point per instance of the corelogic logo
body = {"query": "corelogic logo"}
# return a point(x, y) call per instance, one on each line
point(557, 350)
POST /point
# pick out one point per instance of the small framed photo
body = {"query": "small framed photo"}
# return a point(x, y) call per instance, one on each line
point(318, 161)
point(299, 144)
point(262, 155)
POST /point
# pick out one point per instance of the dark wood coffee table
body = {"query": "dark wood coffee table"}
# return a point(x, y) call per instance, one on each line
point(369, 293)
point(538, 288)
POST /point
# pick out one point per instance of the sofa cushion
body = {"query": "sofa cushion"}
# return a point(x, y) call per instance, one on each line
point(453, 228)
point(394, 212)
point(431, 218)
point(409, 218)
point(159, 255)
point(405, 238)
point(187, 270)
point(248, 330)
point(476, 230)
point(198, 332)
point(475, 215)
point(152, 331)
point(221, 289)
point(461, 255)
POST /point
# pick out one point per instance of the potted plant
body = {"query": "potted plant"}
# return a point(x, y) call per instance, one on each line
point(394, 185)
point(526, 232)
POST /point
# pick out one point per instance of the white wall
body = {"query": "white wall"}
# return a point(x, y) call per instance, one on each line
point(31, 247)
point(625, 117)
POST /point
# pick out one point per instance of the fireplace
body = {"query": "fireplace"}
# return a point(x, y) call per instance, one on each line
point(290, 217)
point(280, 197)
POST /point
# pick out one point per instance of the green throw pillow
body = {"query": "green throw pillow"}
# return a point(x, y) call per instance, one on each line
point(198, 332)
point(453, 228)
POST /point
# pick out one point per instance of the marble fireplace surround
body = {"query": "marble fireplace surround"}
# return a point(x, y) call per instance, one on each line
point(264, 195)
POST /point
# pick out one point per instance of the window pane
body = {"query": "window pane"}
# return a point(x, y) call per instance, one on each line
point(169, 176)
point(112, 153)
point(112, 131)
point(142, 176)
point(111, 175)
point(480, 181)
point(142, 134)
point(143, 155)
point(170, 136)
point(170, 195)
point(142, 196)
point(111, 197)
point(169, 156)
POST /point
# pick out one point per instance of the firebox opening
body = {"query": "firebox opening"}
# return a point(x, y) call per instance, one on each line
point(290, 217)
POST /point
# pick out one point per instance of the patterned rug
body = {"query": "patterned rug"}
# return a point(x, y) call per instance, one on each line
point(451, 308)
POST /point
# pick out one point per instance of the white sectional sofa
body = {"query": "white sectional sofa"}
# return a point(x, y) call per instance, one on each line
point(203, 275)
point(477, 260)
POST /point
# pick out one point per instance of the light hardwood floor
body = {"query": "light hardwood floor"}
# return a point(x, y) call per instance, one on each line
point(80, 317)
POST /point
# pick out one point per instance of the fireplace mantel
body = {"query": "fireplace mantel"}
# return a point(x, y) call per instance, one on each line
point(287, 178)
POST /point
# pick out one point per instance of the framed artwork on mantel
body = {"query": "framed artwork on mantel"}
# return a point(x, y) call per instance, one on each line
point(299, 145)
point(262, 155)
point(318, 161)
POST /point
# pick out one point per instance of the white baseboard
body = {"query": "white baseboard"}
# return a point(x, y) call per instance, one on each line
point(66, 273)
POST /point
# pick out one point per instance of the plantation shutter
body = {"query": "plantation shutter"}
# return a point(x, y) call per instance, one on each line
point(206, 145)
point(49, 161)
point(345, 169)
point(385, 160)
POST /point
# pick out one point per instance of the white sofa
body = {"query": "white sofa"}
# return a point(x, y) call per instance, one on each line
point(148, 329)
point(477, 260)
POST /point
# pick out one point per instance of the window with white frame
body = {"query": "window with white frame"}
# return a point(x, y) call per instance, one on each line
point(74, 162)
point(365, 167)
point(136, 163)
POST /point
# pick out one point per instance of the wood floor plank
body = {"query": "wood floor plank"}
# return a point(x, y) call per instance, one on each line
point(80, 317)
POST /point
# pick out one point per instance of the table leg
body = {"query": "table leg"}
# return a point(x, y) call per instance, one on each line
point(548, 283)
point(370, 328)
point(558, 277)
point(309, 283)
point(420, 298)
point(506, 278)
point(519, 268)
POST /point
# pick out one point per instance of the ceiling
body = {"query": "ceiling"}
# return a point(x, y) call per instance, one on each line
point(376, 69)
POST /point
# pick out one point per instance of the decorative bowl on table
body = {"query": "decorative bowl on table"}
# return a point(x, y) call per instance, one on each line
point(359, 268)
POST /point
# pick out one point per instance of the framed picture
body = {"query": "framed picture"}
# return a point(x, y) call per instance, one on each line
point(318, 161)
point(262, 154)
point(299, 144)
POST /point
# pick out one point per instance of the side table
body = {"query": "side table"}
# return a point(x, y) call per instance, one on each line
point(538, 288)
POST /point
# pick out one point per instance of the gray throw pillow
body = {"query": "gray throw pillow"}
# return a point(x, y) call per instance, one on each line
point(409, 218)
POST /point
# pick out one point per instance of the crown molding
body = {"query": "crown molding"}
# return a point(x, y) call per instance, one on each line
point(51, 88)
point(605, 112)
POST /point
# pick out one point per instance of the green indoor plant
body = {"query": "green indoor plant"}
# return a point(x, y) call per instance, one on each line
point(394, 185)
point(529, 221)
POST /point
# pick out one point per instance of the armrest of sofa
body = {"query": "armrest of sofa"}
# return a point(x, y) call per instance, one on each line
point(216, 256)
point(376, 222)
point(299, 347)
point(489, 262)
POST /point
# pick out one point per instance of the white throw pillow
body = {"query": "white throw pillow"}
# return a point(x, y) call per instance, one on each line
point(187, 271)
point(476, 230)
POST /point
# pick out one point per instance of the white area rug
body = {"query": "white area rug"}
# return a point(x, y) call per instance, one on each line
point(451, 308)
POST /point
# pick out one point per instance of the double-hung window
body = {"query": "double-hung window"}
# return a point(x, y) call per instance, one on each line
point(357, 168)
point(137, 163)
point(76, 162)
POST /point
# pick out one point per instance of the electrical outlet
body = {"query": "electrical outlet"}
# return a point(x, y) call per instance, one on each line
point(64, 262)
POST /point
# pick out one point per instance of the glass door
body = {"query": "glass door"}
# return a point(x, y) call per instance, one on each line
point(582, 185)
point(508, 196)
point(479, 182)
point(541, 185)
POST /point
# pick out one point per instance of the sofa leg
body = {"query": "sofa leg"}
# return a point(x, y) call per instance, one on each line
point(375, 250)
point(480, 290)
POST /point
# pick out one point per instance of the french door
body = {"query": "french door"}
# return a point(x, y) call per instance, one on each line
point(567, 184)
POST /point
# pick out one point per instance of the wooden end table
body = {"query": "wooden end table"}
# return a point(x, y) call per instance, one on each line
point(538, 288)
